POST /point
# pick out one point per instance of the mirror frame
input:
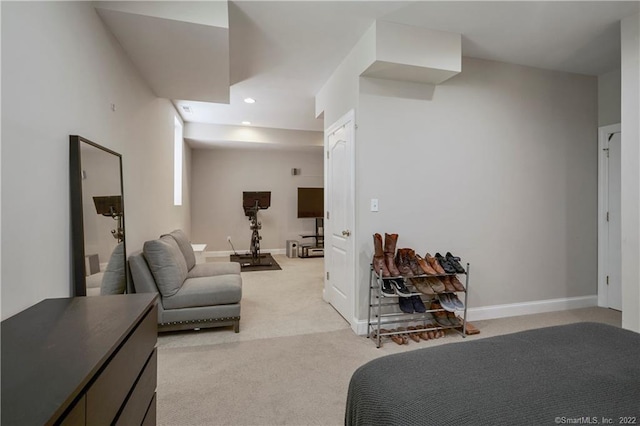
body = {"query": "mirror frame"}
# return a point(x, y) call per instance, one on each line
point(77, 219)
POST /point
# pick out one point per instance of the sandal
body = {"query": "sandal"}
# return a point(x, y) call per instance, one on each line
point(431, 333)
point(413, 336)
point(404, 336)
point(396, 338)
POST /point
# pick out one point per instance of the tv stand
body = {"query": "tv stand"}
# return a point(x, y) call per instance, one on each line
point(317, 249)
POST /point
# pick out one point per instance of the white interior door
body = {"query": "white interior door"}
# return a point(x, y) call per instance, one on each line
point(614, 269)
point(339, 261)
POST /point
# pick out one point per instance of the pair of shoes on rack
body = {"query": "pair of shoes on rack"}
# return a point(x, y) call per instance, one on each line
point(407, 263)
point(394, 286)
point(446, 265)
point(411, 304)
point(383, 262)
point(428, 285)
point(409, 335)
point(455, 262)
point(450, 302)
point(434, 264)
point(397, 338)
point(453, 319)
point(440, 315)
point(436, 332)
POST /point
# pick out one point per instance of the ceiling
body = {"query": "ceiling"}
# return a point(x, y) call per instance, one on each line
point(281, 53)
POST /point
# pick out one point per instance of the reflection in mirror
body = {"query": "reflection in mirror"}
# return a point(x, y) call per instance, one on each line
point(97, 219)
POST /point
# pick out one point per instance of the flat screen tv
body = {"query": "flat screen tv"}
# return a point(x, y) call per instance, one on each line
point(310, 202)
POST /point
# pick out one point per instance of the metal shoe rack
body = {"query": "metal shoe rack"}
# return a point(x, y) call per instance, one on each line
point(378, 302)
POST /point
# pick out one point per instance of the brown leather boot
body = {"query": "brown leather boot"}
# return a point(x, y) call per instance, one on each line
point(378, 257)
point(390, 241)
point(403, 263)
point(434, 263)
point(426, 268)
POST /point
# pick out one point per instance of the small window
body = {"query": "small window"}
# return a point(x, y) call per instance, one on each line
point(178, 146)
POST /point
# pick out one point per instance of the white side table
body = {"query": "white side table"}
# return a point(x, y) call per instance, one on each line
point(198, 250)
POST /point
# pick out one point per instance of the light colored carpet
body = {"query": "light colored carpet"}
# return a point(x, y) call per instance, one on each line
point(294, 356)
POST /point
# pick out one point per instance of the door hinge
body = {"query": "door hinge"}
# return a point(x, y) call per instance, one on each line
point(327, 215)
point(606, 150)
point(327, 155)
point(607, 216)
point(327, 275)
point(607, 279)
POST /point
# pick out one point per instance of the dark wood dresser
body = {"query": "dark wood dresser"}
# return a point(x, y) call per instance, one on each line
point(81, 360)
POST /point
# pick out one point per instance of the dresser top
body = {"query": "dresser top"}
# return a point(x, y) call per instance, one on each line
point(51, 351)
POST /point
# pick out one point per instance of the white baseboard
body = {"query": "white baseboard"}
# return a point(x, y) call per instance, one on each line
point(514, 309)
point(528, 308)
point(227, 253)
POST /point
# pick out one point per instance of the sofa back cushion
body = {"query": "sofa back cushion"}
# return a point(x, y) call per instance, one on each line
point(114, 277)
point(185, 247)
point(167, 264)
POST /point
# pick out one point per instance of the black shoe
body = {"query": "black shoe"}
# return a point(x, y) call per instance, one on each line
point(448, 267)
point(400, 289)
point(455, 262)
point(418, 306)
point(387, 288)
point(405, 305)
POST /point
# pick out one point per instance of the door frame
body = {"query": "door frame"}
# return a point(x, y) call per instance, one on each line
point(603, 202)
point(347, 120)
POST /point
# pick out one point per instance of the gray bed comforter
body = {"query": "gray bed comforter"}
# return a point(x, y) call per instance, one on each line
point(584, 373)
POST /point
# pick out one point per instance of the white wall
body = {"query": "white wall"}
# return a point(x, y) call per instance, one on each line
point(61, 71)
point(219, 176)
point(498, 165)
point(630, 171)
point(609, 98)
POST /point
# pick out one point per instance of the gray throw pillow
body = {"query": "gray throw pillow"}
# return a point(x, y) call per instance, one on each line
point(167, 264)
point(113, 279)
point(185, 247)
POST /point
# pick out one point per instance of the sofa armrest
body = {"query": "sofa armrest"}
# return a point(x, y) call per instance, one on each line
point(213, 269)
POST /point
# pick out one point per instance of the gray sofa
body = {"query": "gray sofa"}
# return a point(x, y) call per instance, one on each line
point(191, 295)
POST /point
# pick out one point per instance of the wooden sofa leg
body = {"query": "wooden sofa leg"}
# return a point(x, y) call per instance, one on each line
point(236, 326)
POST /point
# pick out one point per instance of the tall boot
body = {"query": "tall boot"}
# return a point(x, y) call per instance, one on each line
point(390, 241)
point(378, 257)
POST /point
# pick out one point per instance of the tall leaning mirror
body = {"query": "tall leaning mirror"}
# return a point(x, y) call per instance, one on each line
point(97, 219)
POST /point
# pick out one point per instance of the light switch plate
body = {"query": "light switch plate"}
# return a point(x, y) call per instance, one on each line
point(374, 204)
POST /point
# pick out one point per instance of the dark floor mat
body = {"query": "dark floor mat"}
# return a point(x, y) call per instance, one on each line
point(265, 263)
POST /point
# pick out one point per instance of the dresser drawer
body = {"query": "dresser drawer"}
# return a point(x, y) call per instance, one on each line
point(136, 406)
point(76, 416)
point(150, 417)
point(107, 394)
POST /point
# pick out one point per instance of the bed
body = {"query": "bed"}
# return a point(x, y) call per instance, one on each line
point(547, 376)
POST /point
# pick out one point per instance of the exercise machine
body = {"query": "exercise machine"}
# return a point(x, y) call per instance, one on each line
point(111, 206)
point(252, 202)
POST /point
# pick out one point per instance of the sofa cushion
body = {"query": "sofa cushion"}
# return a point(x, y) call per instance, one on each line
point(214, 268)
point(167, 264)
point(113, 279)
point(206, 291)
point(185, 246)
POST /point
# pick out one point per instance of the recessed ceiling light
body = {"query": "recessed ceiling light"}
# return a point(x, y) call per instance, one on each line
point(250, 100)
point(246, 123)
